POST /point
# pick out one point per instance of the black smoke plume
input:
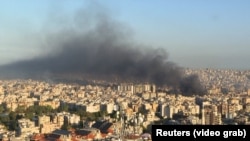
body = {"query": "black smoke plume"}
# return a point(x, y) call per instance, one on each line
point(99, 47)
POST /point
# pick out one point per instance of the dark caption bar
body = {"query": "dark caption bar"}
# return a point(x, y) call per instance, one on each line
point(198, 132)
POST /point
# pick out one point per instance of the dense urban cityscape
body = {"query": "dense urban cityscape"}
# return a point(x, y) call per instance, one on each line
point(39, 110)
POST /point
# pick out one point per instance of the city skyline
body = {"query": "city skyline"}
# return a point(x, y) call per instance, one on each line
point(195, 34)
point(62, 108)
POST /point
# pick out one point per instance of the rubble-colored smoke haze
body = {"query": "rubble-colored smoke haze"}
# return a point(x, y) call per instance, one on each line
point(100, 47)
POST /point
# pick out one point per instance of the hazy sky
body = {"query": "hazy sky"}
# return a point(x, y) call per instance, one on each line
point(195, 33)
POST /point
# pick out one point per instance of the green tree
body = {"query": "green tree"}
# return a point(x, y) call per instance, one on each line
point(12, 115)
point(80, 124)
point(29, 115)
point(81, 113)
point(31, 109)
point(113, 115)
point(4, 119)
point(63, 108)
point(20, 109)
point(7, 110)
point(103, 113)
point(66, 125)
point(2, 109)
point(19, 117)
point(12, 125)
point(38, 110)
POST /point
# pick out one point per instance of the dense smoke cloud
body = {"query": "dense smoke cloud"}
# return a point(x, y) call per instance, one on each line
point(99, 47)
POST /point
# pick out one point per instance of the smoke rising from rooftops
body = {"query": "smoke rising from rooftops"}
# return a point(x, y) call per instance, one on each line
point(98, 46)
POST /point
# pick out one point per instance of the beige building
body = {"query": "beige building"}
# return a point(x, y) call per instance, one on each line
point(53, 104)
point(92, 108)
point(26, 127)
